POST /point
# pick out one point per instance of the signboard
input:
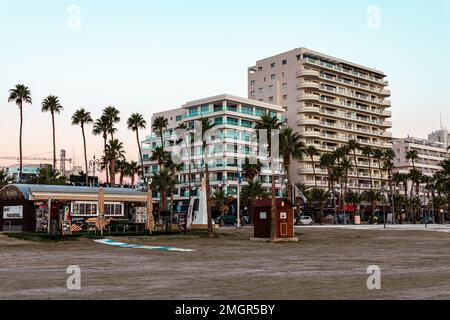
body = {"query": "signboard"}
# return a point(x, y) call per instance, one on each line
point(263, 215)
point(283, 215)
point(15, 212)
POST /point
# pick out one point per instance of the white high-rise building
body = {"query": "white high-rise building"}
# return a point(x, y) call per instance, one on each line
point(329, 101)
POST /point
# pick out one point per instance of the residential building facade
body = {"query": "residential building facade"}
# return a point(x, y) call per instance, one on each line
point(234, 140)
point(328, 101)
point(442, 136)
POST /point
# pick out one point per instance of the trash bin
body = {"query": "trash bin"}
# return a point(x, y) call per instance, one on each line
point(357, 220)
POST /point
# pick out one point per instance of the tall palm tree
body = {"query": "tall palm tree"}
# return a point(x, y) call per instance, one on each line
point(269, 123)
point(121, 167)
point(373, 197)
point(327, 161)
point(291, 147)
point(158, 126)
point(114, 153)
point(82, 117)
point(412, 155)
point(207, 125)
point(183, 127)
point(253, 191)
point(136, 122)
point(160, 156)
point(353, 146)
point(415, 176)
point(48, 176)
point(320, 196)
point(20, 95)
point(102, 127)
point(379, 155)
point(51, 104)
point(112, 115)
point(367, 152)
point(163, 182)
point(311, 152)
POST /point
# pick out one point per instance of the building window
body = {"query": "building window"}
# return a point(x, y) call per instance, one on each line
point(218, 121)
point(252, 94)
point(299, 57)
point(205, 108)
point(270, 99)
point(259, 68)
point(252, 82)
point(284, 62)
point(285, 97)
point(247, 110)
point(284, 85)
point(273, 76)
point(270, 88)
point(260, 90)
point(273, 65)
point(179, 118)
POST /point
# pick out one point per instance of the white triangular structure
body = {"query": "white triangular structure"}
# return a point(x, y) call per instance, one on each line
point(200, 217)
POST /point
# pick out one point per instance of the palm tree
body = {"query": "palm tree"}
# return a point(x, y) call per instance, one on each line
point(48, 176)
point(367, 152)
point(379, 155)
point(222, 200)
point(111, 114)
point(20, 95)
point(311, 152)
point(269, 123)
point(320, 196)
point(413, 156)
point(327, 161)
point(415, 176)
point(353, 146)
point(102, 127)
point(251, 171)
point(372, 196)
point(3, 178)
point(51, 104)
point(136, 122)
point(158, 126)
point(291, 147)
point(163, 182)
point(354, 198)
point(131, 170)
point(206, 127)
point(82, 117)
point(114, 153)
point(160, 156)
point(183, 127)
point(121, 167)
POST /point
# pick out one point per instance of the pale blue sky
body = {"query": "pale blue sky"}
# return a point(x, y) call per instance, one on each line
point(148, 56)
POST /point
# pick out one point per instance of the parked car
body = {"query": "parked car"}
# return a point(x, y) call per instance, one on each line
point(306, 221)
point(228, 220)
point(426, 220)
point(329, 219)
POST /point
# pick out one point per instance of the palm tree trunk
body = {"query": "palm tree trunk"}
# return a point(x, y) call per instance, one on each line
point(314, 170)
point(54, 141)
point(20, 142)
point(222, 215)
point(357, 171)
point(208, 200)
point(106, 161)
point(273, 228)
point(140, 153)
point(85, 154)
point(370, 173)
point(113, 172)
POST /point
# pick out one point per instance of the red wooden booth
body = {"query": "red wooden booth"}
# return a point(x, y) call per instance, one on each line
point(284, 220)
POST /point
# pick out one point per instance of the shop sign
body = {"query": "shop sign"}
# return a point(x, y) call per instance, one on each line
point(15, 212)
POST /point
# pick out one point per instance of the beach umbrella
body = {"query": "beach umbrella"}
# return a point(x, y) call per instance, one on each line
point(101, 209)
point(150, 224)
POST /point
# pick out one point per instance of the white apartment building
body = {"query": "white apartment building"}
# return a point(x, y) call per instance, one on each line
point(234, 119)
point(328, 101)
point(442, 136)
point(430, 154)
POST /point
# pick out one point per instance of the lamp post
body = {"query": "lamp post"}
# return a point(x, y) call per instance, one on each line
point(94, 165)
point(382, 190)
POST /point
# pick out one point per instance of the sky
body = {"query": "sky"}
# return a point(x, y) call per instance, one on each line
point(149, 56)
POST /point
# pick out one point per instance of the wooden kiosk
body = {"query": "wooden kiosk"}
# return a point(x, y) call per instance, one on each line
point(284, 220)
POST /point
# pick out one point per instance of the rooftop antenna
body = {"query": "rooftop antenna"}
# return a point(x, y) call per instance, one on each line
point(440, 119)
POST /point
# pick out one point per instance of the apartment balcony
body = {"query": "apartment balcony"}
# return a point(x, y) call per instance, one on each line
point(308, 85)
point(386, 92)
point(310, 122)
point(318, 171)
point(308, 73)
point(386, 124)
point(310, 134)
point(386, 103)
point(309, 109)
point(356, 85)
point(308, 97)
point(336, 68)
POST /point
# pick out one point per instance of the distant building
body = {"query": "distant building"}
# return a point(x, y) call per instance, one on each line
point(442, 136)
point(430, 155)
point(27, 170)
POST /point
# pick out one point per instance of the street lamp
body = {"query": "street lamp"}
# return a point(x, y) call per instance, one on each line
point(94, 165)
point(383, 190)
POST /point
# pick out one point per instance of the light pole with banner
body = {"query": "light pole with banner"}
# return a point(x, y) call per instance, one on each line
point(94, 166)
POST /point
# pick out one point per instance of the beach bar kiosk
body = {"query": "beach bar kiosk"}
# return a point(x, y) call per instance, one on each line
point(284, 220)
point(42, 208)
